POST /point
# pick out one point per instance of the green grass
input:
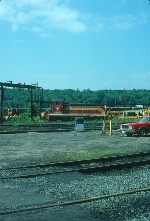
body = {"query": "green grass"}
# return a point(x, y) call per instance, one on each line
point(24, 118)
point(58, 156)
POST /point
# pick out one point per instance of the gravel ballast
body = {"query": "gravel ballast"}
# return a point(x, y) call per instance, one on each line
point(22, 149)
point(63, 188)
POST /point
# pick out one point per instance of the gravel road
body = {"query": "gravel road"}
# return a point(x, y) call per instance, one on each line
point(31, 148)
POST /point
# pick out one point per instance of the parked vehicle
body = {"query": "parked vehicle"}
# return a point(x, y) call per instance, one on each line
point(141, 128)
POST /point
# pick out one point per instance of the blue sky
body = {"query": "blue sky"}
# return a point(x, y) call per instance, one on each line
point(76, 44)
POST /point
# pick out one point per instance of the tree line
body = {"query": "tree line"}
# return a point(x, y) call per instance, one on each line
point(19, 98)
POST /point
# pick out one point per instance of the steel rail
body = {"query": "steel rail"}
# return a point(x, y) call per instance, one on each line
point(44, 129)
point(79, 162)
point(68, 203)
point(87, 170)
point(36, 131)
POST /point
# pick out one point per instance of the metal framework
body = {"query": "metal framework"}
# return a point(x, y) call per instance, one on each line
point(24, 86)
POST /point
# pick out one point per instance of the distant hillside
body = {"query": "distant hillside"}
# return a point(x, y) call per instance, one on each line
point(19, 98)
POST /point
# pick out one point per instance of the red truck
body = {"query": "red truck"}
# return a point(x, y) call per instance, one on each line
point(141, 128)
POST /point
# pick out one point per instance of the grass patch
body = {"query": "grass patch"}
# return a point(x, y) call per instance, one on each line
point(58, 156)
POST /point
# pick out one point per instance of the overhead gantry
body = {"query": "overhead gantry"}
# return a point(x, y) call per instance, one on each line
point(31, 87)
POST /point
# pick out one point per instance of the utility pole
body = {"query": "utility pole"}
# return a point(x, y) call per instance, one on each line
point(1, 102)
point(124, 105)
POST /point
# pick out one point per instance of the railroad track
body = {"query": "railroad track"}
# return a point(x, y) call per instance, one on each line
point(53, 127)
point(79, 201)
point(85, 166)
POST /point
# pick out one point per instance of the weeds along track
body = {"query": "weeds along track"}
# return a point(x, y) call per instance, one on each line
point(84, 166)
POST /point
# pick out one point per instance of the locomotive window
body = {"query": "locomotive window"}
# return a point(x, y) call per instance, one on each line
point(57, 103)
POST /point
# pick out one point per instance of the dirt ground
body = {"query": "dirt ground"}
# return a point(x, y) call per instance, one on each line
point(32, 148)
point(28, 148)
